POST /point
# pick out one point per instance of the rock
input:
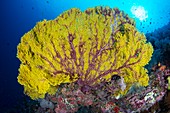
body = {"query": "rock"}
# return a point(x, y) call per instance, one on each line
point(46, 104)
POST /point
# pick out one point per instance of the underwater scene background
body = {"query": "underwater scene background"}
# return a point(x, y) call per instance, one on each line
point(152, 17)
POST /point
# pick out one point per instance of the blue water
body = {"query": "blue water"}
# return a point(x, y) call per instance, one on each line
point(19, 16)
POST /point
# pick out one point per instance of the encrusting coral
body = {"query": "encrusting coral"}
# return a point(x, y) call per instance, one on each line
point(84, 47)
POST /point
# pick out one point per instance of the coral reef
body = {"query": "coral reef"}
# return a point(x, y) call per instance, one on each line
point(86, 48)
point(145, 97)
point(70, 98)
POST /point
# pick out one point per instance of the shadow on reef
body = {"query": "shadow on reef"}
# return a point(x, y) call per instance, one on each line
point(25, 105)
point(160, 40)
point(162, 106)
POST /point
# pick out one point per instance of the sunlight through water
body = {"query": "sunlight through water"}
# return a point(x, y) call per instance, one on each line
point(139, 12)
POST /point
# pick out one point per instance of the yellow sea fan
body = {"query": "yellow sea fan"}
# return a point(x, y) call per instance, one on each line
point(89, 45)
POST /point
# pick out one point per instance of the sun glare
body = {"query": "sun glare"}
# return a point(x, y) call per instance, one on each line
point(139, 12)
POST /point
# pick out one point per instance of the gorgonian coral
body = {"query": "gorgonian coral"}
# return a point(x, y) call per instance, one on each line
point(84, 47)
